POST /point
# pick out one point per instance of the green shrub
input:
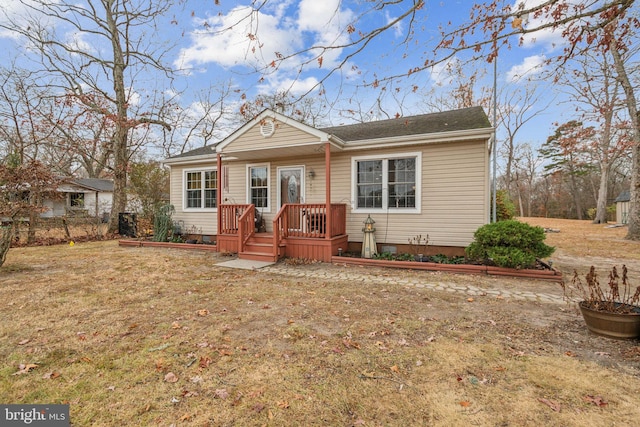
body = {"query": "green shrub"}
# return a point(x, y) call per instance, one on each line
point(505, 209)
point(510, 243)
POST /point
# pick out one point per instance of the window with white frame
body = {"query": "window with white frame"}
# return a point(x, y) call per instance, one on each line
point(201, 189)
point(387, 183)
point(258, 191)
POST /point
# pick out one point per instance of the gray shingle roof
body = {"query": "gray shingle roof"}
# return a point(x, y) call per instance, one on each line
point(202, 151)
point(93, 183)
point(447, 121)
point(624, 196)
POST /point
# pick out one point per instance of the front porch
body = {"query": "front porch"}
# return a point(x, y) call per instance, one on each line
point(299, 230)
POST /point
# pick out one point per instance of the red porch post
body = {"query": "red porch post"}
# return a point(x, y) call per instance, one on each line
point(327, 186)
point(219, 195)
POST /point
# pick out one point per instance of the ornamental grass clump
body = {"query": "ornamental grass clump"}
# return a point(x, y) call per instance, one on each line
point(617, 297)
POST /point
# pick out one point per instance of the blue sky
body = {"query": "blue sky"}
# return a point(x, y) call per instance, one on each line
point(227, 43)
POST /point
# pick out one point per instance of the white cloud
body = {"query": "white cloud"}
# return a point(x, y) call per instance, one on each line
point(441, 74)
point(293, 86)
point(531, 66)
point(398, 28)
point(76, 40)
point(279, 28)
point(14, 12)
point(549, 38)
point(229, 40)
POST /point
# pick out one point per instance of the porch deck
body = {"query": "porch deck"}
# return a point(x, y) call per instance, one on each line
point(298, 231)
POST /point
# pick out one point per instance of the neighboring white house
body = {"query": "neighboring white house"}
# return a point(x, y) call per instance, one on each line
point(82, 196)
point(623, 202)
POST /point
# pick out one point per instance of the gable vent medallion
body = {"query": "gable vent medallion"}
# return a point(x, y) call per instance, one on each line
point(267, 128)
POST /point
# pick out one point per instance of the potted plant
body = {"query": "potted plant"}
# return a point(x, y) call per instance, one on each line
point(610, 311)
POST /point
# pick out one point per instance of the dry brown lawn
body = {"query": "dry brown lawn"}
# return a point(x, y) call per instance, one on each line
point(141, 336)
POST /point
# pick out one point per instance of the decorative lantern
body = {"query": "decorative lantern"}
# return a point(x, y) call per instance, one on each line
point(369, 239)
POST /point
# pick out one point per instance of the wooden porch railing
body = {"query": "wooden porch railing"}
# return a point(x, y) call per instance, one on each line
point(246, 227)
point(308, 220)
point(230, 217)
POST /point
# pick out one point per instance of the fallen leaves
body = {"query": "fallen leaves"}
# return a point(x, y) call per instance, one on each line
point(595, 400)
point(25, 368)
point(555, 406)
point(221, 393)
point(51, 375)
point(171, 378)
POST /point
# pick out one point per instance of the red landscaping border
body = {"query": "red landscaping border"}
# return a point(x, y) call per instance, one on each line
point(149, 244)
point(551, 275)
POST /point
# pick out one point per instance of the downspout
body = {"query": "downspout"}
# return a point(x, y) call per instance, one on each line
point(327, 187)
point(218, 197)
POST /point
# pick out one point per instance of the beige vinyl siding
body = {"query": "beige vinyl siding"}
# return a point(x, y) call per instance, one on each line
point(454, 199)
point(314, 188)
point(454, 196)
point(198, 222)
point(284, 136)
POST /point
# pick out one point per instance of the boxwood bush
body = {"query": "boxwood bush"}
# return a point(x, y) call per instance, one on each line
point(511, 244)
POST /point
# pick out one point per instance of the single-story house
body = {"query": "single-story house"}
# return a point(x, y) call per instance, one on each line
point(623, 204)
point(315, 187)
point(82, 197)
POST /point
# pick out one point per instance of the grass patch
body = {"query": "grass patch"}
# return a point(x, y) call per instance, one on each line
point(143, 336)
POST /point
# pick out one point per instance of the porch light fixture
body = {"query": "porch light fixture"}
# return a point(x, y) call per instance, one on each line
point(369, 248)
point(312, 174)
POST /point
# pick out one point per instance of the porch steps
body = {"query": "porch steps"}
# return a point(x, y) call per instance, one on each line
point(259, 248)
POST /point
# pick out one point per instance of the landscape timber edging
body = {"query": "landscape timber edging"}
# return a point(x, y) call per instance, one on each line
point(149, 244)
point(551, 275)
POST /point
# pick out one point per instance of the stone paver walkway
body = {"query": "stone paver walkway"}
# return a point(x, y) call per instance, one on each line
point(360, 276)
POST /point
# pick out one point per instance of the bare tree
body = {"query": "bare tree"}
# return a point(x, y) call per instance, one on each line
point(516, 109)
point(311, 111)
point(201, 123)
point(88, 74)
point(525, 166)
point(596, 95)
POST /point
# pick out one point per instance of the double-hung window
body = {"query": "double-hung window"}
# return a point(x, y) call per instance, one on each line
point(258, 191)
point(201, 189)
point(387, 183)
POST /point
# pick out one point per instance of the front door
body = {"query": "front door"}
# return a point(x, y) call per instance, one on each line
point(291, 190)
point(290, 185)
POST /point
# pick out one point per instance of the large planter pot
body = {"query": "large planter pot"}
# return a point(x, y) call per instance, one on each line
point(612, 325)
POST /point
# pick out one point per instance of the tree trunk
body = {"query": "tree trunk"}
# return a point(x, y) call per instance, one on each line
point(576, 197)
point(6, 233)
point(33, 223)
point(601, 206)
point(121, 134)
point(633, 232)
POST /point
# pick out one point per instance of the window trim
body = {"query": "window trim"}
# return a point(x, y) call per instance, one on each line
point(266, 209)
point(385, 183)
point(202, 190)
point(80, 196)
